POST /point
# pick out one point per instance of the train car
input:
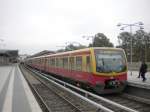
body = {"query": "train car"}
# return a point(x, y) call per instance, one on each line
point(100, 68)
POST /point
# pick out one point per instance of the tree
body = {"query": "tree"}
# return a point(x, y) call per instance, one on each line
point(140, 45)
point(71, 47)
point(60, 50)
point(125, 43)
point(100, 40)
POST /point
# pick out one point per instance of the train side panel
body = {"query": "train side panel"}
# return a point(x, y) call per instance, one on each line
point(81, 67)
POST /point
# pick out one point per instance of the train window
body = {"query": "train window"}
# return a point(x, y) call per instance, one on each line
point(61, 62)
point(49, 62)
point(110, 62)
point(57, 62)
point(36, 61)
point(88, 64)
point(39, 61)
point(79, 63)
point(53, 62)
point(65, 63)
point(45, 64)
point(72, 63)
point(42, 61)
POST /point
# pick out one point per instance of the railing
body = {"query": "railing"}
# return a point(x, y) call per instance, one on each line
point(86, 93)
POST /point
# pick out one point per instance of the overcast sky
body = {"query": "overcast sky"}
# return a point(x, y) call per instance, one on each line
point(35, 25)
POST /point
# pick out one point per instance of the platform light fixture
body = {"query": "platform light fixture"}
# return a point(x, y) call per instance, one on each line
point(123, 26)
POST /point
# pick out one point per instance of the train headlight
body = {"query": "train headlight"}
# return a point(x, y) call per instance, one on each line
point(111, 77)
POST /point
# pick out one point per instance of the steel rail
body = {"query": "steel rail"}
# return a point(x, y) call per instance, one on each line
point(77, 109)
point(89, 94)
point(99, 106)
point(42, 104)
point(58, 94)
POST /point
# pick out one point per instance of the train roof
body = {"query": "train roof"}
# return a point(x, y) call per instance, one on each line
point(75, 51)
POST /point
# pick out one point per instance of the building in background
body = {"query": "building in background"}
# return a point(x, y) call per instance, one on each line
point(8, 57)
point(22, 57)
point(45, 52)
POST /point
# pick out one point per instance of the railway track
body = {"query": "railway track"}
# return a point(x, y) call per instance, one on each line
point(54, 98)
point(130, 101)
point(124, 104)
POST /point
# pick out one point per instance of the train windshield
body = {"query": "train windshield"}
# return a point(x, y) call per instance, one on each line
point(110, 61)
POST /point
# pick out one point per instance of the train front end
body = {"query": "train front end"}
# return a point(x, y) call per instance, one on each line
point(109, 70)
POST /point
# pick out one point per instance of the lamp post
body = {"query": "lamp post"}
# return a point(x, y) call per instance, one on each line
point(88, 37)
point(123, 26)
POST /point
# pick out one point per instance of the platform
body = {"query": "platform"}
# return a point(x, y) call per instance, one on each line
point(134, 80)
point(15, 94)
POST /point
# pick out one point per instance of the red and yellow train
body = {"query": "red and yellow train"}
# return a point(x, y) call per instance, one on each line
point(102, 69)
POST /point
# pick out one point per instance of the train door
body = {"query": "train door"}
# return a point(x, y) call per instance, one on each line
point(79, 63)
point(57, 64)
point(49, 64)
point(71, 63)
point(72, 66)
point(88, 63)
point(45, 64)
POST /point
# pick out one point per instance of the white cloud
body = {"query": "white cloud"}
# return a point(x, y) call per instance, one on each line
point(34, 25)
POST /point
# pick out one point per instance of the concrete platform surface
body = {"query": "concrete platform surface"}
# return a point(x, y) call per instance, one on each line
point(15, 94)
point(133, 79)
